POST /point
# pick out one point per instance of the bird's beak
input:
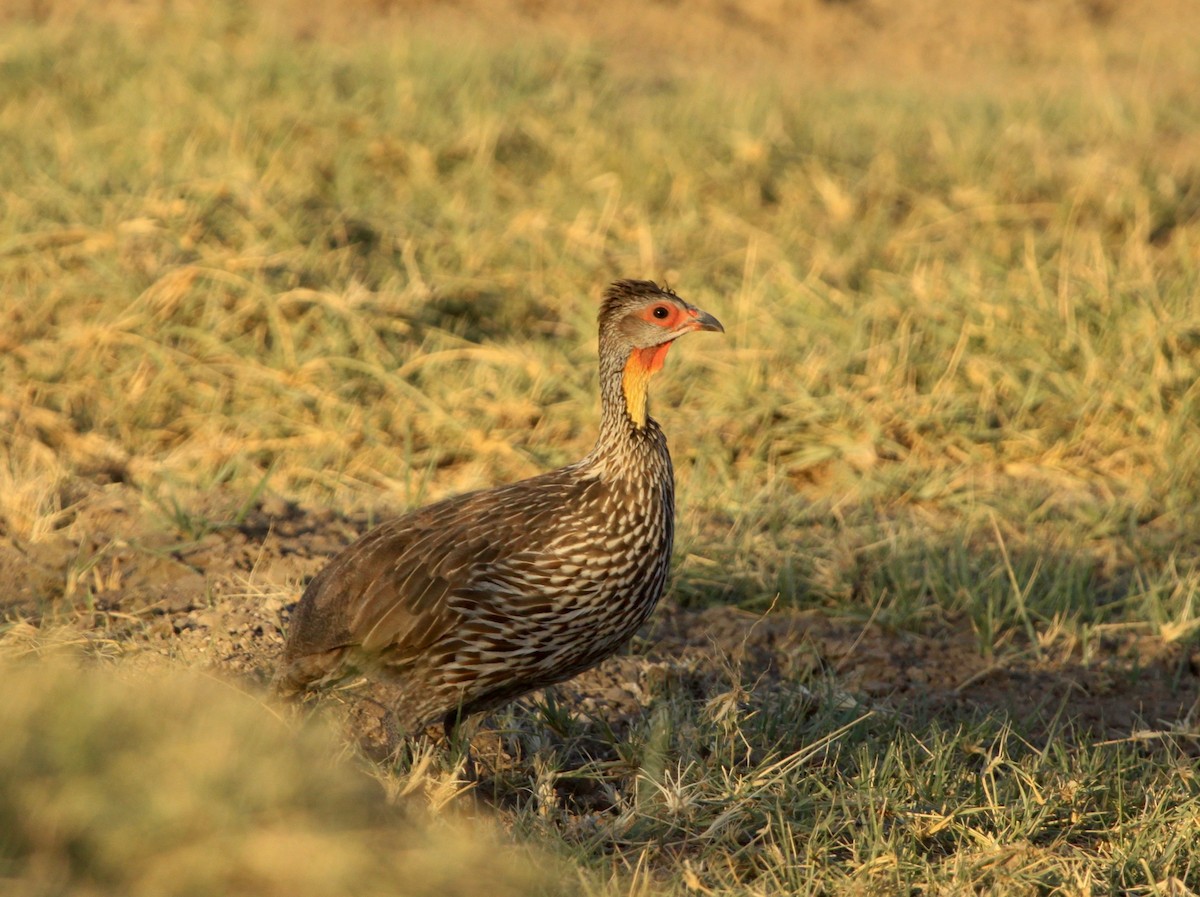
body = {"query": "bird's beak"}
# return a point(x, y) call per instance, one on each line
point(702, 320)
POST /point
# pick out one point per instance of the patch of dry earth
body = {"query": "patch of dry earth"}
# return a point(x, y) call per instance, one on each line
point(220, 599)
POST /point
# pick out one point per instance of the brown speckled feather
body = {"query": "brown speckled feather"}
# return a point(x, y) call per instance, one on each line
point(477, 599)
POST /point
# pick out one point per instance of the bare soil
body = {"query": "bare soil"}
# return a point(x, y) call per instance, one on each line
point(122, 574)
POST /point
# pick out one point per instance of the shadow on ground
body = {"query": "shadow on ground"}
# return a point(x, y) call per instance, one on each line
point(219, 595)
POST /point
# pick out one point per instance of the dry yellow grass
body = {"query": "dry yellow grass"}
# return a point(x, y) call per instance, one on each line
point(349, 257)
point(169, 782)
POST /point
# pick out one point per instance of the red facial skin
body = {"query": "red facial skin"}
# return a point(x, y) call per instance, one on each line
point(676, 319)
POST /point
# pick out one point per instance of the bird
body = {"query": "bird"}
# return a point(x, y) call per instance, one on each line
point(470, 602)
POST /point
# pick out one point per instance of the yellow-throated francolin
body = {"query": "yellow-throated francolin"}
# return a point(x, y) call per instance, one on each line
point(470, 602)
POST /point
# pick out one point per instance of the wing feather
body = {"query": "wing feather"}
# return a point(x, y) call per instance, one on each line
point(402, 587)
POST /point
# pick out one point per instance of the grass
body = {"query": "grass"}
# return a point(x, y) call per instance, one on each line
point(168, 782)
point(357, 266)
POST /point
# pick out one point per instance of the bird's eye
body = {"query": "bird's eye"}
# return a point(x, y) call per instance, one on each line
point(660, 311)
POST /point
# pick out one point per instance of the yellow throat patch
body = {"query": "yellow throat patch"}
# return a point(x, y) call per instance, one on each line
point(635, 382)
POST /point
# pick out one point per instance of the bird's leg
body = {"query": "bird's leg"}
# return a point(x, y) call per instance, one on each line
point(399, 745)
point(459, 742)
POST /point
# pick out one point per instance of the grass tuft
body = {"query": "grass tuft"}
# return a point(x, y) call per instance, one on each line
point(176, 783)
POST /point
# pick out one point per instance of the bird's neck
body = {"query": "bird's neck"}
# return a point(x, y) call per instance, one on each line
point(625, 423)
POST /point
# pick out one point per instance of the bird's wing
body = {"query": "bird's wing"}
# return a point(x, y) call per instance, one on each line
point(397, 587)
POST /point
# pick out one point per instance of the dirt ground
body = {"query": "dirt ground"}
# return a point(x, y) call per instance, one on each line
point(124, 576)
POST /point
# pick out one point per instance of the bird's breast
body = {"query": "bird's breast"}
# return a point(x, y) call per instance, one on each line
point(610, 544)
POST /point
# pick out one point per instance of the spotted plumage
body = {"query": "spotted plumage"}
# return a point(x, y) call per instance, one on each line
point(472, 601)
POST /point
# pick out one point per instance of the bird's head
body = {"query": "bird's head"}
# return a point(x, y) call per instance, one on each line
point(638, 322)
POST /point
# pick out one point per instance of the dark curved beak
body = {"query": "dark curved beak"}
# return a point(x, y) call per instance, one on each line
point(704, 321)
